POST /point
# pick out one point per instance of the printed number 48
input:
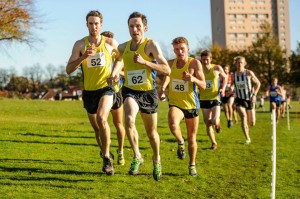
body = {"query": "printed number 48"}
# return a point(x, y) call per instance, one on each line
point(179, 87)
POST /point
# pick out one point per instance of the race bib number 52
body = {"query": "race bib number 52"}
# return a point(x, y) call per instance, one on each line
point(137, 77)
point(98, 59)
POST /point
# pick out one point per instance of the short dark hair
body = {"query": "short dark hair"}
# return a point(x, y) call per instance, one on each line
point(94, 13)
point(138, 15)
point(206, 53)
point(226, 65)
point(179, 40)
point(108, 34)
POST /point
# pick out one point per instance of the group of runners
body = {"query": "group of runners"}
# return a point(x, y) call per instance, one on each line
point(188, 84)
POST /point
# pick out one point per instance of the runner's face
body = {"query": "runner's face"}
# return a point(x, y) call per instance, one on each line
point(136, 28)
point(226, 70)
point(94, 25)
point(205, 60)
point(181, 51)
point(240, 64)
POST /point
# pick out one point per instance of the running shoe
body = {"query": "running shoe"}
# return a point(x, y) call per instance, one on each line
point(108, 166)
point(248, 141)
point(192, 170)
point(229, 123)
point(157, 171)
point(110, 155)
point(180, 151)
point(121, 159)
point(214, 146)
point(135, 164)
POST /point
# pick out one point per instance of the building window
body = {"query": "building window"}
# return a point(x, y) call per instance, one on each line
point(240, 16)
point(254, 21)
point(232, 21)
point(262, 16)
point(231, 16)
point(241, 35)
point(241, 21)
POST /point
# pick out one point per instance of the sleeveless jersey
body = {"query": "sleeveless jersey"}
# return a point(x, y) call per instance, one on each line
point(274, 97)
point(283, 95)
point(228, 90)
point(96, 68)
point(137, 76)
point(212, 86)
point(242, 85)
point(182, 94)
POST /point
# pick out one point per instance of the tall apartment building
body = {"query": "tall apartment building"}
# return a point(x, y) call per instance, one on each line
point(236, 23)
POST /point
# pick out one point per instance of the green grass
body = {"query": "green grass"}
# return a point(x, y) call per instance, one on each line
point(48, 150)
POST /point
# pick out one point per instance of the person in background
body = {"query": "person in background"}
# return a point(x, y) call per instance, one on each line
point(139, 90)
point(262, 102)
point(210, 96)
point(275, 93)
point(245, 95)
point(183, 83)
point(282, 101)
point(228, 99)
point(93, 54)
point(117, 110)
point(288, 101)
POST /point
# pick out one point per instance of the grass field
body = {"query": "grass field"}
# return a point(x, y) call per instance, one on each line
point(48, 150)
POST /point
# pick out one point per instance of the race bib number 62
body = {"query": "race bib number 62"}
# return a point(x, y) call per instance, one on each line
point(137, 77)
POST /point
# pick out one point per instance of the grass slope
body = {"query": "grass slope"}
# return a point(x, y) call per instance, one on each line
point(48, 150)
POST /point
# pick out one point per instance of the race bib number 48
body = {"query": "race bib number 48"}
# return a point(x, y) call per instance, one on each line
point(98, 59)
point(137, 77)
point(179, 85)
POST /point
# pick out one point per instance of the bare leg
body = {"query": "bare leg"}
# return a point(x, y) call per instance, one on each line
point(93, 121)
point(131, 110)
point(244, 123)
point(118, 123)
point(175, 115)
point(104, 107)
point(150, 123)
point(192, 128)
point(209, 129)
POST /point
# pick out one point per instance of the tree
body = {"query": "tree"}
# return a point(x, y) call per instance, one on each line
point(34, 73)
point(266, 58)
point(4, 77)
point(295, 66)
point(17, 20)
point(17, 83)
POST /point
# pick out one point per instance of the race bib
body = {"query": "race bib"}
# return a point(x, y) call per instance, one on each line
point(240, 85)
point(228, 87)
point(98, 59)
point(273, 94)
point(137, 77)
point(209, 84)
point(179, 85)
